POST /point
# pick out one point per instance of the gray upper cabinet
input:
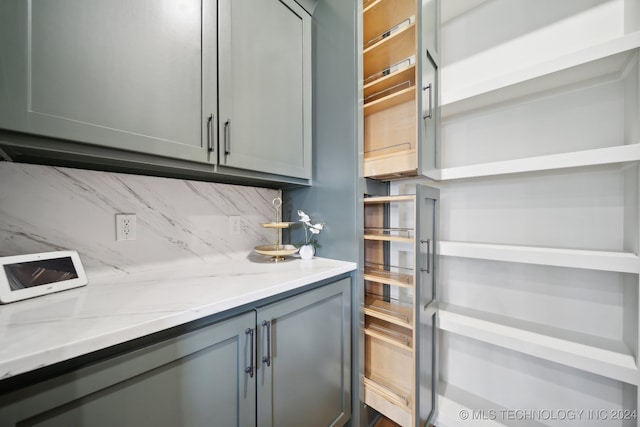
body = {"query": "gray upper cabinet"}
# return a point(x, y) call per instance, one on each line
point(134, 84)
point(113, 73)
point(265, 86)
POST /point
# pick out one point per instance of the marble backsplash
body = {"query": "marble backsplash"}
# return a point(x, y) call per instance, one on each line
point(44, 208)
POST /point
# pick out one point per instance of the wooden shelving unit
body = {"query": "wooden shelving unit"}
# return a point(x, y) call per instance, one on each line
point(390, 73)
point(390, 314)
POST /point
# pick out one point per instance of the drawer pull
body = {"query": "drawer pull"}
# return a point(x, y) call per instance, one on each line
point(428, 116)
point(250, 369)
point(227, 137)
point(210, 139)
point(267, 359)
point(428, 269)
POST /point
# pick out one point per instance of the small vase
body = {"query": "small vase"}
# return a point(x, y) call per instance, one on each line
point(307, 251)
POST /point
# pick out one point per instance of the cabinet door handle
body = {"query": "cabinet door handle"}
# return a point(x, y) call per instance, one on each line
point(250, 369)
point(210, 139)
point(267, 359)
point(428, 269)
point(227, 137)
point(428, 116)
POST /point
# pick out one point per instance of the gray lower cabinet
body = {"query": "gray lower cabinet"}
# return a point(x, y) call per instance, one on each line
point(113, 73)
point(265, 86)
point(213, 376)
point(195, 380)
point(304, 359)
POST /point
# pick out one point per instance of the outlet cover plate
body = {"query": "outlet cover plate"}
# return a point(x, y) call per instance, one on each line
point(125, 227)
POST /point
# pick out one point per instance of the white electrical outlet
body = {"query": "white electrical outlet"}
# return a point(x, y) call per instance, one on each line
point(235, 225)
point(125, 227)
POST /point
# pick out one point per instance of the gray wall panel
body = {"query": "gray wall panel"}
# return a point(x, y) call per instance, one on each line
point(333, 196)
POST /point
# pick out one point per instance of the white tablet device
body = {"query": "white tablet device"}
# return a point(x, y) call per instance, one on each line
point(32, 275)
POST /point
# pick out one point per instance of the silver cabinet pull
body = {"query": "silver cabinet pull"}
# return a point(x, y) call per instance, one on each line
point(267, 359)
point(428, 269)
point(227, 137)
point(250, 369)
point(210, 139)
point(428, 116)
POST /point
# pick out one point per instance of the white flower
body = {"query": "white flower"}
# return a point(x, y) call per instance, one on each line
point(315, 229)
point(304, 217)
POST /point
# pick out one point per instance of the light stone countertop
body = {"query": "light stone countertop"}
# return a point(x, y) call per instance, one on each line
point(114, 309)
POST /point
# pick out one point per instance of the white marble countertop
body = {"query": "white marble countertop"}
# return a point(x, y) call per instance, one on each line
point(114, 309)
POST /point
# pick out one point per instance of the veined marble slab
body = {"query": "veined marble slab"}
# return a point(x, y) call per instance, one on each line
point(44, 208)
point(115, 309)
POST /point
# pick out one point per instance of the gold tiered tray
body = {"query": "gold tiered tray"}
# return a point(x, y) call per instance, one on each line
point(277, 252)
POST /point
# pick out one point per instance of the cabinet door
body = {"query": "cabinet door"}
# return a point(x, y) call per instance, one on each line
point(265, 86)
point(430, 19)
point(427, 214)
point(430, 116)
point(304, 359)
point(117, 73)
point(195, 380)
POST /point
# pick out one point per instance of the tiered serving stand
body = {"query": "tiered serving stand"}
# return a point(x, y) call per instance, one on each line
point(277, 252)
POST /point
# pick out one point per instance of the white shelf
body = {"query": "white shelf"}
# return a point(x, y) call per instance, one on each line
point(599, 156)
point(623, 262)
point(608, 358)
point(451, 9)
point(453, 401)
point(606, 58)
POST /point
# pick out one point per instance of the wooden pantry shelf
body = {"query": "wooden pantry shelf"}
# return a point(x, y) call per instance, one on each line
point(600, 60)
point(389, 311)
point(395, 404)
point(390, 80)
point(380, 15)
point(609, 358)
point(396, 98)
point(390, 335)
point(397, 164)
point(388, 238)
point(389, 199)
point(622, 262)
point(388, 277)
point(598, 156)
point(390, 50)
